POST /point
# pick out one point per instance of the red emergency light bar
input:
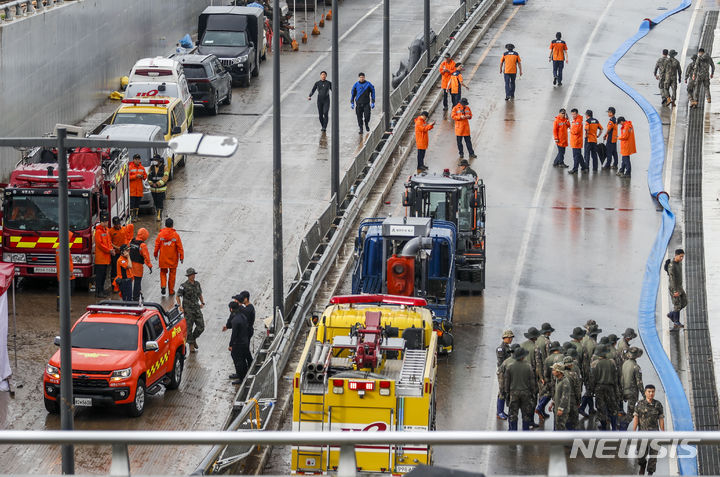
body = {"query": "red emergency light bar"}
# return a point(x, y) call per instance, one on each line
point(384, 299)
point(361, 385)
point(145, 101)
point(46, 179)
point(153, 72)
point(123, 310)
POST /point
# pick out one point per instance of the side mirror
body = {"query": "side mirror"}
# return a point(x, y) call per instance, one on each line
point(56, 341)
point(176, 130)
point(151, 346)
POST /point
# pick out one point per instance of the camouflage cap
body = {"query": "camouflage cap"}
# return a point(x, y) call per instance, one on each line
point(508, 334)
point(612, 338)
point(590, 323)
point(568, 360)
point(558, 367)
point(634, 352)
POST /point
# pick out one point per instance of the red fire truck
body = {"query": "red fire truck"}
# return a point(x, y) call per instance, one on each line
point(97, 181)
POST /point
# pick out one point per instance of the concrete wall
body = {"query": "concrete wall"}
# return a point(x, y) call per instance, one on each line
point(57, 66)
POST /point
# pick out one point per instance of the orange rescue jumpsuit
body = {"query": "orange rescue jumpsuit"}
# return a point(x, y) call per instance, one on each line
point(168, 247)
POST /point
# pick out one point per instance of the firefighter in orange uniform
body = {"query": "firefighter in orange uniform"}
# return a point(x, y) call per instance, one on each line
point(611, 136)
point(169, 249)
point(119, 235)
point(462, 115)
point(137, 175)
point(447, 68)
point(455, 84)
point(558, 56)
point(103, 254)
point(421, 138)
point(140, 257)
point(510, 66)
point(627, 145)
point(576, 141)
point(124, 278)
point(560, 134)
point(592, 130)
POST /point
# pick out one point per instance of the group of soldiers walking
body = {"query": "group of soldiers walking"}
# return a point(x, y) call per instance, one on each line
point(698, 72)
point(582, 377)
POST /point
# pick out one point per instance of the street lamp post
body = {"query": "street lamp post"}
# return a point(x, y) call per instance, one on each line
point(386, 63)
point(335, 147)
point(427, 32)
point(278, 296)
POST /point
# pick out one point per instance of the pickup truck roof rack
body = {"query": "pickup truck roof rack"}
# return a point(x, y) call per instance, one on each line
point(169, 316)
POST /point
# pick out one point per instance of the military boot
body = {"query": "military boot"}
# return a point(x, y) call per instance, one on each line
point(540, 409)
point(642, 469)
point(526, 426)
point(613, 423)
point(603, 426)
point(501, 409)
point(512, 425)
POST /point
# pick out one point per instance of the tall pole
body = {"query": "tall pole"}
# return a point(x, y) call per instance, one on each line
point(278, 296)
point(427, 32)
point(386, 62)
point(335, 147)
point(66, 392)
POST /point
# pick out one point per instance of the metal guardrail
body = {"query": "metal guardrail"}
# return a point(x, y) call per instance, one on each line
point(684, 442)
point(23, 8)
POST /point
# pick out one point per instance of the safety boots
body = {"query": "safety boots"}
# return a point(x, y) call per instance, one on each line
point(159, 215)
point(134, 213)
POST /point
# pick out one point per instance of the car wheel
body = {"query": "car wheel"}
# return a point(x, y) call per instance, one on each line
point(245, 82)
point(228, 98)
point(51, 406)
point(256, 71)
point(176, 373)
point(136, 408)
point(214, 110)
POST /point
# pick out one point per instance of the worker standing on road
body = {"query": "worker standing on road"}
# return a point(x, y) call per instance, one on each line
point(659, 73)
point(462, 114)
point(447, 68)
point(119, 235)
point(140, 258)
point(158, 178)
point(627, 145)
point(192, 302)
point(546, 383)
point(103, 254)
point(592, 130)
point(570, 371)
point(510, 66)
point(677, 293)
point(323, 88)
point(137, 176)
point(561, 125)
point(632, 382)
point(520, 386)
point(248, 309)
point(610, 138)
point(558, 57)
point(503, 352)
point(542, 346)
point(563, 396)
point(576, 141)
point(673, 76)
point(456, 84)
point(649, 416)
point(362, 100)
point(168, 251)
point(605, 381)
point(704, 70)
point(628, 335)
point(691, 81)
point(421, 138)
point(124, 274)
point(589, 343)
point(239, 343)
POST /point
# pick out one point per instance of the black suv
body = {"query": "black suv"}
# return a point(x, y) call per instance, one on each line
point(208, 80)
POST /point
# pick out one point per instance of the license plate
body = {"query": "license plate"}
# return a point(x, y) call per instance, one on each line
point(404, 469)
point(83, 402)
point(45, 270)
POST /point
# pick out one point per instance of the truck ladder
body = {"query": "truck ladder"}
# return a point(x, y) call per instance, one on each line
point(316, 414)
point(412, 374)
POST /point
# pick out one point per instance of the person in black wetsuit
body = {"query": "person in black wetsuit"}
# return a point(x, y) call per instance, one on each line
point(323, 87)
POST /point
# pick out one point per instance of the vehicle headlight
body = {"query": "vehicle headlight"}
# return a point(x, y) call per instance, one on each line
point(121, 374)
point(241, 59)
point(52, 371)
point(81, 258)
point(10, 257)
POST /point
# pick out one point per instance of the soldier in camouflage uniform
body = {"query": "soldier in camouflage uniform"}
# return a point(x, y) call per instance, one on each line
point(192, 303)
point(501, 379)
point(529, 345)
point(542, 345)
point(520, 386)
point(563, 398)
point(649, 416)
point(659, 73)
point(605, 381)
point(503, 352)
point(632, 383)
point(576, 336)
point(704, 70)
point(570, 364)
point(624, 344)
point(675, 284)
point(673, 76)
point(547, 383)
point(691, 81)
point(589, 343)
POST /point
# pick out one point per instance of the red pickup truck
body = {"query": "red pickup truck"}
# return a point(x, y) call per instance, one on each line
point(121, 352)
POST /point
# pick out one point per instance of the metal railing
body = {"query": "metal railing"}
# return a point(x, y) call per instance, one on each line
point(346, 441)
point(23, 8)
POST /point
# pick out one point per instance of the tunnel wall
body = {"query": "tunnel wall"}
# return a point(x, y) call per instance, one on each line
point(58, 65)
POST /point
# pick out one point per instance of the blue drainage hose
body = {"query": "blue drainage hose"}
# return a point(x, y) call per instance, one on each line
point(679, 405)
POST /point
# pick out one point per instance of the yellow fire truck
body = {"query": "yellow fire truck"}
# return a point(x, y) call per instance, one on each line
point(369, 364)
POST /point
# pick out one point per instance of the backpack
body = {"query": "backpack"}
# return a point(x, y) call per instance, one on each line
point(667, 263)
point(135, 254)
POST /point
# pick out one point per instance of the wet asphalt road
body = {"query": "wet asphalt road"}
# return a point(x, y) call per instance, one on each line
point(222, 210)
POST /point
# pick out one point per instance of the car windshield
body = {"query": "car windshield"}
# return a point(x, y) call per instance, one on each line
point(224, 38)
point(116, 336)
point(150, 90)
point(195, 71)
point(40, 212)
point(143, 118)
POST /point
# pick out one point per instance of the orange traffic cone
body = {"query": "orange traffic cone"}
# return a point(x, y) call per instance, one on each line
point(304, 37)
point(328, 16)
point(315, 30)
point(322, 20)
point(294, 45)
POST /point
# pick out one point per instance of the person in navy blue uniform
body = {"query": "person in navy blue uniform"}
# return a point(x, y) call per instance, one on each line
point(362, 99)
